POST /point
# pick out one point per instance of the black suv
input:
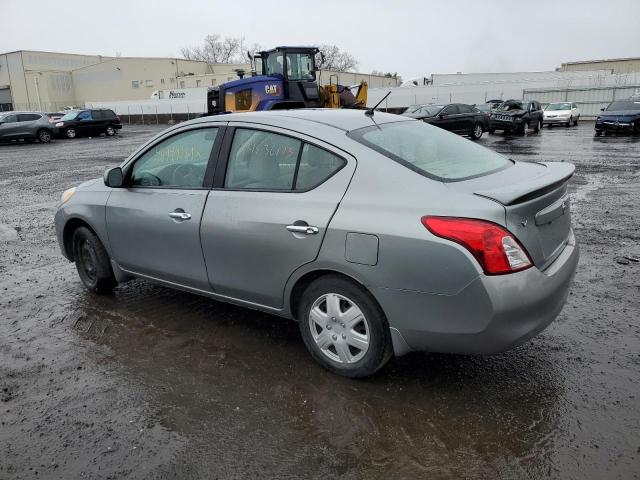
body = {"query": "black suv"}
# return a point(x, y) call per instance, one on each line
point(517, 116)
point(455, 117)
point(89, 122)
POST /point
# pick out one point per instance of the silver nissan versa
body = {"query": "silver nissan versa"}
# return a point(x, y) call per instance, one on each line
point(379, 234)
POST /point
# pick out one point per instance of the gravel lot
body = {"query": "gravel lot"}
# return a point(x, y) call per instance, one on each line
point(155, 383)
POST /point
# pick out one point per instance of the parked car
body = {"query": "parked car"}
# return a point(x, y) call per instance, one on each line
point(89, 122)
point(378, 234)
point(562, 113)
point(29, 126)
point(517, 116)
point(619, 116)
point(455, 117)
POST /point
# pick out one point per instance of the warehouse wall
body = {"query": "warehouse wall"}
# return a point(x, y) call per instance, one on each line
point(614, 65)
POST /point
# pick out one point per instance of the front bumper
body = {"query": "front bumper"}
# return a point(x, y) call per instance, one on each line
point(490, 315)
point(610, 126)
point(555, 121)
point(505, 124)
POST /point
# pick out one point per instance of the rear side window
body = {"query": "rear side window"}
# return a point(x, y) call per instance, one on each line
point(450, 110)
point(466, 109)
point(431, 151)
point(262, 161)
point(9, 119)
point(316, 165)
point(28, 117)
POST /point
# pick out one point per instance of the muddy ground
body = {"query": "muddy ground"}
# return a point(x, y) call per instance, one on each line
point(155, 383)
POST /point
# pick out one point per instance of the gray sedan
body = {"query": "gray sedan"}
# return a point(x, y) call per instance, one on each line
point(379, 234)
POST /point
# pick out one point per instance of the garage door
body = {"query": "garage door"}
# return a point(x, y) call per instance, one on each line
point(5, 99)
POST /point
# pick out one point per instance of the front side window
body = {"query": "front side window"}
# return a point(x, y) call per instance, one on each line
point(84, 116)
point(262, 161)
point(431, 151)
point(178, 162)
point(450, 110)
point(274, 64)
point(300, 67)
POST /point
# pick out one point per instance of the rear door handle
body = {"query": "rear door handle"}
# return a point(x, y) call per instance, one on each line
point(180, 216)
point(305, 229)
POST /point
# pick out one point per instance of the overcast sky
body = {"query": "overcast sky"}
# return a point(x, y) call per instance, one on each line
point(414, 38)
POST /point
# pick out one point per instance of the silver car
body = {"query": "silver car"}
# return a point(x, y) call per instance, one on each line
point(379, 234)
point(29, 126)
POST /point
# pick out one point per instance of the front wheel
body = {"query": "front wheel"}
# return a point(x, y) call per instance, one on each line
point(575, 122)
point(110, 131)
point(92, 261)
point(477, 131)
point(538, 126)
point(343, 327)
point(568, 124)
point(70, 132)
point(44, 136)
point(524, 127)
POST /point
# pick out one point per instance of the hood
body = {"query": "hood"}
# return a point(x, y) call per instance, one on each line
point(620, 114)
point(556, 112)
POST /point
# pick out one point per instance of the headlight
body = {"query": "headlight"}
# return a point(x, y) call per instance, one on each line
point(59, 124)
point(67, 195)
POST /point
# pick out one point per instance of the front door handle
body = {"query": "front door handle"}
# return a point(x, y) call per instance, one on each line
point(305, 229)
point(180, 216)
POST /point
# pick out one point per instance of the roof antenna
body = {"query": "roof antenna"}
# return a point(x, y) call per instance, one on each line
point(369, 111)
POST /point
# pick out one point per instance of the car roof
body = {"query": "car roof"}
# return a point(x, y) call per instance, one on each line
point(13, 112)
point(342, 119)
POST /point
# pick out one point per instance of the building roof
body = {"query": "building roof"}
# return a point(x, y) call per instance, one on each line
point(604, 60)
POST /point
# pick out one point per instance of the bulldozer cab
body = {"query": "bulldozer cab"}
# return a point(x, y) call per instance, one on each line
point(297, 68)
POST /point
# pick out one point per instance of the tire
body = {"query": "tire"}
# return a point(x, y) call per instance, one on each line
point(44, 136)
point(92, 261)
point(575, 122)
point(354, 351)
point(569, 122)
point(70, 132)
point(109, 131)
point(598, 133)
point(523, 129)
point(538, 126)
point(477, 131)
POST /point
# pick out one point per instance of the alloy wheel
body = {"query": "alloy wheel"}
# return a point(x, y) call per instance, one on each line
point(339, 328)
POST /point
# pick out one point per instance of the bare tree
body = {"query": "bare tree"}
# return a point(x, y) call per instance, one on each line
point(336, 59)
point(216, 49)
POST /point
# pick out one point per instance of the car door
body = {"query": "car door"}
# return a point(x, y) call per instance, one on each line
point(466, 118)
point(448, 118)
point(85, 123)
point(27, 124)
point(269, 210)
point(153, 222)
point(9, 127)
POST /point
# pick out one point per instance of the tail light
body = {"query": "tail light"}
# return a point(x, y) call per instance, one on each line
point(497, 251)
point(52, 120)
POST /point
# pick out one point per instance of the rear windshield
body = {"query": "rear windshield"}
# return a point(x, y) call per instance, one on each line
point(431, 151)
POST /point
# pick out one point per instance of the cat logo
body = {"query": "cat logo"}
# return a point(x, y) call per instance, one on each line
point(272, 89)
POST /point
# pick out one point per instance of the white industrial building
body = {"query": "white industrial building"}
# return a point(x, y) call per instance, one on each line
point(49, 81)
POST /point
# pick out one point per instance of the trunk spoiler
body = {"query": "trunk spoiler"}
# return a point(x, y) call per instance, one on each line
point(554, 176)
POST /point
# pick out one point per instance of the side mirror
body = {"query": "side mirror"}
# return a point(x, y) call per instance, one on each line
point(113, 177)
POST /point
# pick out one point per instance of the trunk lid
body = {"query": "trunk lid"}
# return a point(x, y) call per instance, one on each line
point(536, 203)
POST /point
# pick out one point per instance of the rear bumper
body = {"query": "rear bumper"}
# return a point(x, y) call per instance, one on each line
point(490, 315)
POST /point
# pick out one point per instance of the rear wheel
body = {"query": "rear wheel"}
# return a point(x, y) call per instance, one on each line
point(477, 131)
point(44, 136)
point(70, 132)
point(344, 328)
point(110, 131)
point(92, 261)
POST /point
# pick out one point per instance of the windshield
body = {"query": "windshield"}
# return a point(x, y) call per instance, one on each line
point(558, 106)
point(70, 115)
point(431, 151)
point(413, 108)
point(508, 106)
point(300, 67)
point(624, 105)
